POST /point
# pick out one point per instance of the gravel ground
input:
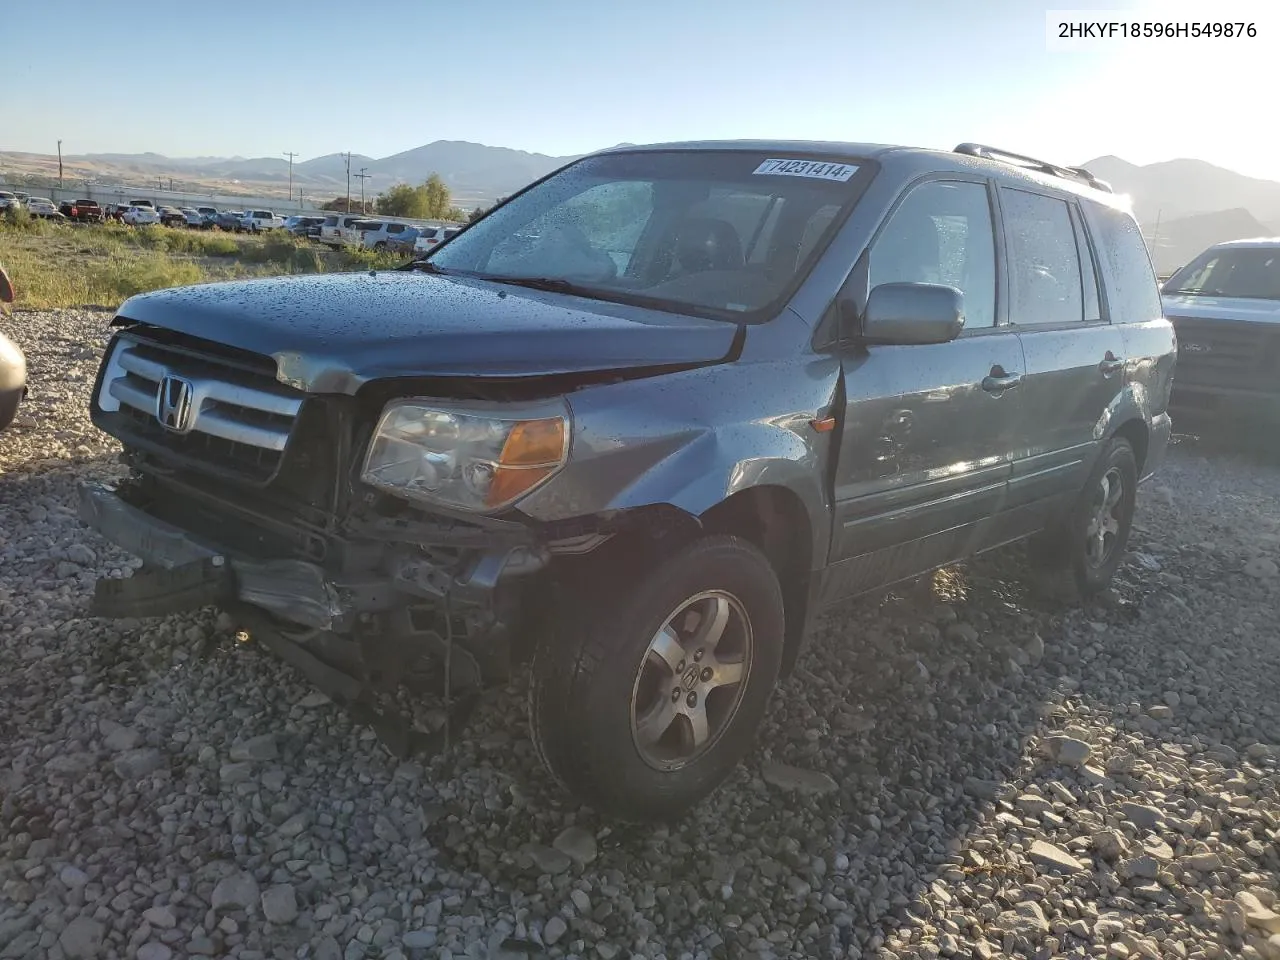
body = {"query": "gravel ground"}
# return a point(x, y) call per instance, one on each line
point(962, 769)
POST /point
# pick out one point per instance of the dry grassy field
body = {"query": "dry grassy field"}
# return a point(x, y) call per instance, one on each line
point(65, 265)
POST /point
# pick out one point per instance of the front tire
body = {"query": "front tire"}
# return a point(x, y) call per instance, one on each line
point(1090, 543)
point(651, 690)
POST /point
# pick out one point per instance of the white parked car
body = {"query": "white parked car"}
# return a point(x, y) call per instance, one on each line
point(137, 216)
point(42, 207)
point(193, 217)
point(255, 220)
point(8, 200)
point(383, 234)
point(432, 237)
point(341, 228)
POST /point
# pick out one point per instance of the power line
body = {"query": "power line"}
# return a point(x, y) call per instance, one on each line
point(290, 154)
point(362, 177)
point(348, 158)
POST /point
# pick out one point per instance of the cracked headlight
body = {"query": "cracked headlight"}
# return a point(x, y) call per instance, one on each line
point(478, 457)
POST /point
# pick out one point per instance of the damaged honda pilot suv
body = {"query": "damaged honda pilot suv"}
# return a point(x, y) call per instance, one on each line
point(636, 426)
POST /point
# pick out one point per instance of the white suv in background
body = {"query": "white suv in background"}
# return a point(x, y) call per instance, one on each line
point(384, 234)
point(138, 216)
point(432, 237)
point(340, 228)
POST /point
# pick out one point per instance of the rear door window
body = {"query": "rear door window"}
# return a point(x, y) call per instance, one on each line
point(1124, 263)
point(1044, 259)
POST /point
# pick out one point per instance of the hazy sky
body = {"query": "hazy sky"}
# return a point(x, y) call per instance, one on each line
point(258, 77)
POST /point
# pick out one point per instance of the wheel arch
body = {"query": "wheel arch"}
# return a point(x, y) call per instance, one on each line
point(775, 520)
point(1135, 430)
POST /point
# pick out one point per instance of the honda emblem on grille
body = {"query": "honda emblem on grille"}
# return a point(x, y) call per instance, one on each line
point(174, 408)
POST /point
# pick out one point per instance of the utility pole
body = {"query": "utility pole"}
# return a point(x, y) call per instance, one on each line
point(362, 177)
point(348, 156)
point(290, 154)
point(59, 164)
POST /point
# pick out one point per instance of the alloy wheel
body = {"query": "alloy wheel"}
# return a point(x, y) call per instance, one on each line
point(690, 683)
point(1106, 518)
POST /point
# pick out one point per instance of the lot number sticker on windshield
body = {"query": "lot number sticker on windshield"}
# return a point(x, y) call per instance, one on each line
point(814, 169)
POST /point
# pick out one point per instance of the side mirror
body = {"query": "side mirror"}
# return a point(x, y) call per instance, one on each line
point(7, 294)
point(913, 313)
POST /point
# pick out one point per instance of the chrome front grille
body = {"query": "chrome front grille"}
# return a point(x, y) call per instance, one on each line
point(199, 407)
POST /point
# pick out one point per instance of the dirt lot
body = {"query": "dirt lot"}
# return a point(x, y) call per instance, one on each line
point(961, 769)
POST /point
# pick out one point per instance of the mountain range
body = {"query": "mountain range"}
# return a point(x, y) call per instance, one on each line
point(1187, 205)
point(1182, 204)
point(474, 172)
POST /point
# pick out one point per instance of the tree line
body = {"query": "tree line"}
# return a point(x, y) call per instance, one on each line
point(429, 200)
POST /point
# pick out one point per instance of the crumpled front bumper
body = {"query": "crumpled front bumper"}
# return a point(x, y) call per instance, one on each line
point(186, 572)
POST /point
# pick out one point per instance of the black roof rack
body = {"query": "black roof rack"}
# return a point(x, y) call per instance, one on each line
point(1031, 163)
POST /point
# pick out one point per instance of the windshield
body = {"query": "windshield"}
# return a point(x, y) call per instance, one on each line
point(720, 232)
point(1246, 272)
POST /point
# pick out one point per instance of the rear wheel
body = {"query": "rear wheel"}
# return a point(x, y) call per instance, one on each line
point(650, 693)
point(1090, 542)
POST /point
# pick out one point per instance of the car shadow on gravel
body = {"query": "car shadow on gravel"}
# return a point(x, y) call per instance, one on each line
point(917, 705)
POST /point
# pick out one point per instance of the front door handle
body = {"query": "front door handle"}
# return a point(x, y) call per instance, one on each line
point(1110, 364)
point(999, 381)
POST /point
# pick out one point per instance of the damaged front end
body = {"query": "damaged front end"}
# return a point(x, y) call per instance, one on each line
point(260, 509)
point(437, 603)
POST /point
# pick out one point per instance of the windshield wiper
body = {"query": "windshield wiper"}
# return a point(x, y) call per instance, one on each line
point(426, 266)
point(552, 284)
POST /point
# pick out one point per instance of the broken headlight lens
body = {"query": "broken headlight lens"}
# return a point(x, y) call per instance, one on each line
point(478, 457)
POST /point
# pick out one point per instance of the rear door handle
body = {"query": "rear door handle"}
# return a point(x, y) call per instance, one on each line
point(997, 383)
point(1110, 364)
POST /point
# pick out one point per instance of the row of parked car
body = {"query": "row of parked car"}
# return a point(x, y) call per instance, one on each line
point(334, 230)
point(36, 206)
point(396, 236)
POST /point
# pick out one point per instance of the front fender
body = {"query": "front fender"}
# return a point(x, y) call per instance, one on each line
point(694, 438)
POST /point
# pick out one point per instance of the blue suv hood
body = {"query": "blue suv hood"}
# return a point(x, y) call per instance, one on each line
point(332, 333)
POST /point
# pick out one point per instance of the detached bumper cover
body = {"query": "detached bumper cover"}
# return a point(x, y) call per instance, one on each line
point(191, 573)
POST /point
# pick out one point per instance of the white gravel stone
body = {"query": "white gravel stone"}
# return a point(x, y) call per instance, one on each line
point(554, 930)
point(280, 903)
point(82, 938)
point(786, 777)
point(1054, 858)
point(1069, 750)
point(238, 891)
point(577, 843)
point(161, 917)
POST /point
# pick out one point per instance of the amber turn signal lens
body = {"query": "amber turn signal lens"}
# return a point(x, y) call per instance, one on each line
point(534, 449)
point(534, 443)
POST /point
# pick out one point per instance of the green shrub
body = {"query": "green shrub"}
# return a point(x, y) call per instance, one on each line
point(362, 258)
